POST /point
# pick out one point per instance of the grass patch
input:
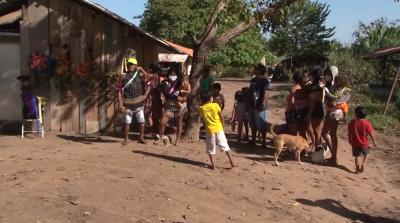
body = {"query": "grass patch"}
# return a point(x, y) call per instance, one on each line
point(281, 98)
point(374, 100)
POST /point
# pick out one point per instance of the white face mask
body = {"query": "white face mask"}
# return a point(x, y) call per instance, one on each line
point(172, 77)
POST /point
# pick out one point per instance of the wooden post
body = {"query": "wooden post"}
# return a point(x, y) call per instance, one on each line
point(391, 91)
point(55, 45)
point(75, 41)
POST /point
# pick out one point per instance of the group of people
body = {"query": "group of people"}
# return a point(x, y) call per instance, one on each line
point(316, 104)
point(152, 97)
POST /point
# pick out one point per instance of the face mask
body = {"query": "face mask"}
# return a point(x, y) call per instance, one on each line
point(172, 77)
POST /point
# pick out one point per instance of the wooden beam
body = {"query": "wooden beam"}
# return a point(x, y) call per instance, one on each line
point(75, 39)
point(391, 91)
point(55, 46)
point(39, 42)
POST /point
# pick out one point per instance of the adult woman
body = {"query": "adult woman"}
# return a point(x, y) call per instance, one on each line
point(153, 103)
point(296, 113)
point(337, 108)
point(170, 90)
point(316, 112)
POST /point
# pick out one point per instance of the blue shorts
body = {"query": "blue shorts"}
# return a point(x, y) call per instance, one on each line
point(358, 151)
point(257, 119)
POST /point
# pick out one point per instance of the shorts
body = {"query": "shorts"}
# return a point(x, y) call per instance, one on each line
point(138, 112)
point(173, 113)
point(184, 108)
point(214, 140)
point(296, 116)
point(258, 119)
point(359, 151)
point(336, 115)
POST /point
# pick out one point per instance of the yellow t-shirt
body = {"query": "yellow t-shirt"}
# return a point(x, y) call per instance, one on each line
point(210, 114)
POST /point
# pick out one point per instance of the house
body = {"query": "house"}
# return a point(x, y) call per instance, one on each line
point(83, 45)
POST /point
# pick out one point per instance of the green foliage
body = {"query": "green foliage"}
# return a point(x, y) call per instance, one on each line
point(181, 21)
point(232, 71)
point(303, 33)
point(359, 72)
point(247, 49)
point(379, 33)
point(380, 122)
point(177, 21)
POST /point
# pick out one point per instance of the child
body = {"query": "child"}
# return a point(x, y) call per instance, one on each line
point(358, 131)
point(184, 93)
point(217, 96)
point(214, 123)
point(233, 116)
point(240, 112)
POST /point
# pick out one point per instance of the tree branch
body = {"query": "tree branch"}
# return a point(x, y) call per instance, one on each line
point(246, 25)
point(212, 23)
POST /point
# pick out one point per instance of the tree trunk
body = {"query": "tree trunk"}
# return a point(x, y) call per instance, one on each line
point(210, 41)
point(192, 128)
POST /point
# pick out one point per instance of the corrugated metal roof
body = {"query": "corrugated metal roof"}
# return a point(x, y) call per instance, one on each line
point(382, 52)
point(7, 6)
point(104, 10)
point(11, 17)
point(183, 49)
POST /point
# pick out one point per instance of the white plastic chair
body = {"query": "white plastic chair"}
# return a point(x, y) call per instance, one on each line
point(37, 124)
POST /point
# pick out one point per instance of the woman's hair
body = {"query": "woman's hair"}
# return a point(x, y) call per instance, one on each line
point(298, 77)
point(315, 73)
point(261, 68)
point(361, 112)
point(153, 68)
point(174, 69)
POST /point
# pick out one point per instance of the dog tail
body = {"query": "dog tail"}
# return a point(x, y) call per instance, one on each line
point(271, 129)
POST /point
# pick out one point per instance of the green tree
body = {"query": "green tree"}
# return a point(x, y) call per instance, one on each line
point(177, 21)
point(303, 33)
point(180, 21)
point(246, 50)
point(378, 34)
point(216, 34)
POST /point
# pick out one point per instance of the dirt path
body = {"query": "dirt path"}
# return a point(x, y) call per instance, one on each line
point(93, 179)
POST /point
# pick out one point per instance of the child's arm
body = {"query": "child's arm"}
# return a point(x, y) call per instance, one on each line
point(222, 119)
point(223, 102)
point(371, 135)
point(349, 135)
point(233, 112)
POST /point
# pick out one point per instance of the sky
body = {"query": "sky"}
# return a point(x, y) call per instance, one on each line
point(345, 14)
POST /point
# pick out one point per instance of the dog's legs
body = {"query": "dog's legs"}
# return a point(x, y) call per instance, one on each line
point(298, 157)
point(277, 152)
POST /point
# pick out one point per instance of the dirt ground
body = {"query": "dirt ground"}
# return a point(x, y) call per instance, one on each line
point(71, 178)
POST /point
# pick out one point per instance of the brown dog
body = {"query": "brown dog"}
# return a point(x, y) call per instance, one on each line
point(298, 143)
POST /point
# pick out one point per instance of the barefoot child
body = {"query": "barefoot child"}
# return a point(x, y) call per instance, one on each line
point(214, 123)
point(240, 113)
point(358, 131)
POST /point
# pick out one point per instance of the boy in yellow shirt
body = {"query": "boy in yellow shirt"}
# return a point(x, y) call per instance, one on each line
point(214, 123)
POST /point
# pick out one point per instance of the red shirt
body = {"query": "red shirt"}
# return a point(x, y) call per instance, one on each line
point(358, 131)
